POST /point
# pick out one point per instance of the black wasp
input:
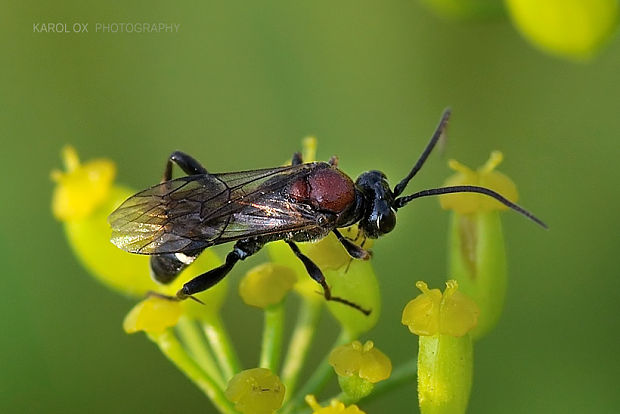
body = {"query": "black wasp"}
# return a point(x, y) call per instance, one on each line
point(174, 221)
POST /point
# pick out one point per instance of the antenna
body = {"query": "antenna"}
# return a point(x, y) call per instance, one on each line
point(439, 131)
point(402, 201)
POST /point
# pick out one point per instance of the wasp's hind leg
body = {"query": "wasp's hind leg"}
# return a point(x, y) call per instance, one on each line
point(316, 274)
point(186, 162)
point(242, 250)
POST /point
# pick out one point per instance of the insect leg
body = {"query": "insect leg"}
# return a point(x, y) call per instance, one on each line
point(297, 159)
point(188, 164)
point(353, 249)
point(316, 274)
point(242, 250)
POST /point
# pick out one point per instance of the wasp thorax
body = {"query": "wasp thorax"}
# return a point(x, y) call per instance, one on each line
point(326, 188)
point(379, 215)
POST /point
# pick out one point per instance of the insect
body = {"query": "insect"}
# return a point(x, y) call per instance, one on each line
point(175, 220)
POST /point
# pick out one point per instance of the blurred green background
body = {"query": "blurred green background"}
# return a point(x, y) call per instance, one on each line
point(238, 87)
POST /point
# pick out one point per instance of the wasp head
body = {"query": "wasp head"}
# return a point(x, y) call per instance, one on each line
point(379, 215)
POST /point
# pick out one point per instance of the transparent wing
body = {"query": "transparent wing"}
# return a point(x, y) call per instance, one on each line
point(198, 211)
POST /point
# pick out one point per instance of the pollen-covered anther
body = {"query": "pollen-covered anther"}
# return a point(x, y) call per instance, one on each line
point(266, 285)
point(256, 391)
point(485, 176)
point(81, 187)
point(432, 313)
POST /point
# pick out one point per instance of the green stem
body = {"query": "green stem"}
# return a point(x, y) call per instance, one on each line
point(319, 378)
point(404, 374)
point(272, 337)
point(301, 340)
point(174, 351)
point(195, 342)
point(222, 346)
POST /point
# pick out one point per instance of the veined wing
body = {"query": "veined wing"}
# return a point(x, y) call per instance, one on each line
point(198, 211)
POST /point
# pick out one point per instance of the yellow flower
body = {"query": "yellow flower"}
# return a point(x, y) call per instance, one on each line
point(366, 361)
point(335, 407)
point(83, 198)
point(256, 391)
point(432, 313)
point(445, 351)
point(359, 367)
point(153, 315)
point(485, 176)
point(82, 188)
point(568, 28)
point(266, 285)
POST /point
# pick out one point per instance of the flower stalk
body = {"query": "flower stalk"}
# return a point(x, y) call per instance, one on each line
point(222, 347)
point(196, 345)
point(301, 341)
point(271, 348)
point(318, 380)
point(445, 367)
point(176, 353)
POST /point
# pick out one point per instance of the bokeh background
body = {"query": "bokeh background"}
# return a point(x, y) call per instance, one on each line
point(238, 87)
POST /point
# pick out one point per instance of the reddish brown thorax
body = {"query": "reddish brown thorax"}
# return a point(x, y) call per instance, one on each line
point(327, 188)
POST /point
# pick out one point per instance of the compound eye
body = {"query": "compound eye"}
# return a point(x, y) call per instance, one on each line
point(386, 222)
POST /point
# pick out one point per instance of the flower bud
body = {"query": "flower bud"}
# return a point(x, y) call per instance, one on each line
point(256, 391)
point(266, 285)
point(359, 367)
point(570, 28)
